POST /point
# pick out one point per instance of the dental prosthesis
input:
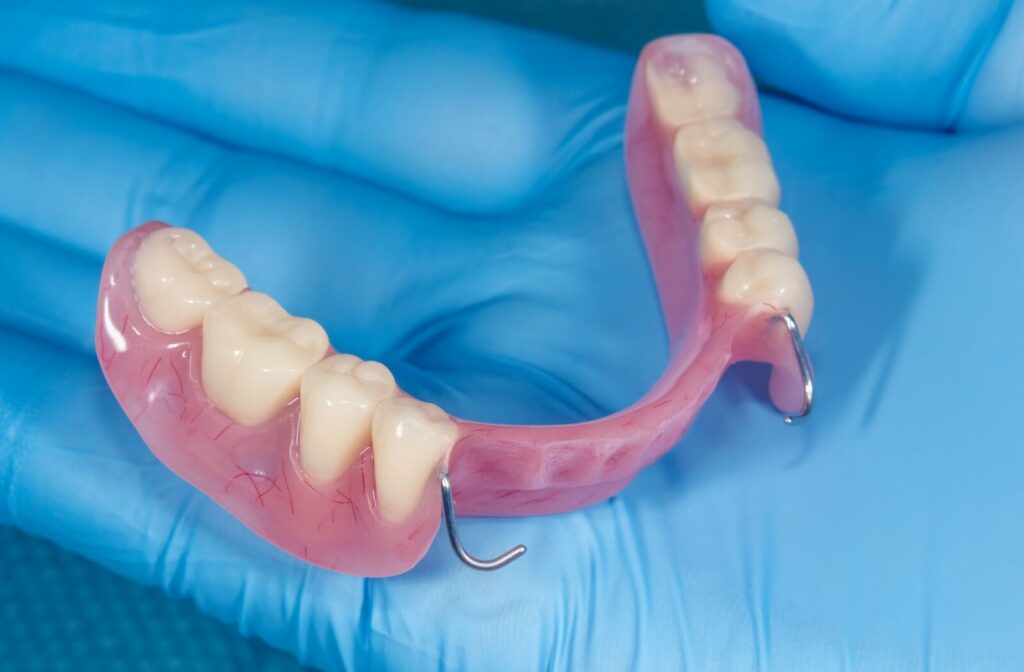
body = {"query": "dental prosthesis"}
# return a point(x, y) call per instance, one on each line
point(323, 455)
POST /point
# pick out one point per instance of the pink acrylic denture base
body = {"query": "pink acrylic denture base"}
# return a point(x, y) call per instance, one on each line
point(518, 470)
point(254, 472)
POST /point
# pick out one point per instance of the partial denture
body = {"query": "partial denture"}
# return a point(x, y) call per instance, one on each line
point(322, 454)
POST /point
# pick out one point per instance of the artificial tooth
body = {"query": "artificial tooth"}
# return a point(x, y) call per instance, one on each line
point(772, 281)
point(721, 160)
point(730, 229)
point(687, 87)
point(338, 397)
point(254, 355)
point(410, 439)
point(177, 276)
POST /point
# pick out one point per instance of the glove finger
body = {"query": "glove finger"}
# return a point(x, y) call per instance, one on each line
point(945, 65)
point(389, 278)
point(467, 114)
point(73, 470)
point(997, 94)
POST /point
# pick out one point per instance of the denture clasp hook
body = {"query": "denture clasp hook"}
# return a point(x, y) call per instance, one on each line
point(805, 366)
point(453, 535)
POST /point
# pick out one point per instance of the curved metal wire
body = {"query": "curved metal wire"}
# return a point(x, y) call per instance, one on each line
point(453, 535)
point(805, 366)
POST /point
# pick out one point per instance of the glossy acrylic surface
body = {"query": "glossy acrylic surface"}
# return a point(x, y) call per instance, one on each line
point(507, 470)
point(522, 470)
point(251, 471)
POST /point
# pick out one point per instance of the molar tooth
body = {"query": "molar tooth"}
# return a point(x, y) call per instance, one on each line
point(731, 229)
point(177, 276)
point(338, 397)
point(254, 354)
point(410, 439)
point(772, 281)
point(721, 160)
point(687, 87)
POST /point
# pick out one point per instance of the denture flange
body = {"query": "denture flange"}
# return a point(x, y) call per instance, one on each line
point(253, 471)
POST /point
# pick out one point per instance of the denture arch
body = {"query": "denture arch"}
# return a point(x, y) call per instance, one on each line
point(322, 454)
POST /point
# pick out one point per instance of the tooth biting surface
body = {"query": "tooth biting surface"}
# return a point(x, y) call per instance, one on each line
point(254, 354)
point(731, 229)
point(771, 280)
point(338, 397)
point(177, 276)
point(686, 87)
point(410, 439)
point(721, 160)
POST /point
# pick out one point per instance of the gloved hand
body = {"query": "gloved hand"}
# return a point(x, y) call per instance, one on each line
point(448, 196)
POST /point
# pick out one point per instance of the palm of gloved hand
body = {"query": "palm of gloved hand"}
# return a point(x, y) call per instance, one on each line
point(510, 284)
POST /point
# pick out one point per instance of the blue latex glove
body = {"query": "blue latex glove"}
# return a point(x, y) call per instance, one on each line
point(446, 195)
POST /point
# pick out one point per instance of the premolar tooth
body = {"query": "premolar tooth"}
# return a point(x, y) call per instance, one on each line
point(687, 87)
point(338, 397)
point(410, 439)
point(177, 276)
point(731, 229)
point(721, 160)
point(772, 281)
point(254, 354)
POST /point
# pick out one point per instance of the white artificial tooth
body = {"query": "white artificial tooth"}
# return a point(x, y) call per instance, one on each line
point(177, 276)
point(254, 354)
point(730, 229)
point(771, 281)
point(338, 397)
point(410, 439)
point(685, 87)
point(720, 160)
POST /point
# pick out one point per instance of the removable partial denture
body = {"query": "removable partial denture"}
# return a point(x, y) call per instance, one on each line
point(323, 455)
